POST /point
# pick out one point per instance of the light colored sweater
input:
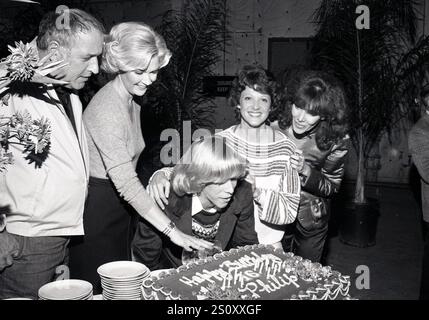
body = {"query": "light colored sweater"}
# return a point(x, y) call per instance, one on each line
point(115, 142)
point(278, 183)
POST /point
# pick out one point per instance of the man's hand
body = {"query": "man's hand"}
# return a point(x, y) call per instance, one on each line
point(159, 189)
point(9, 249)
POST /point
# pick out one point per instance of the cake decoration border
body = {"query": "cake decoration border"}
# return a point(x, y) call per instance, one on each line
point(309, 271)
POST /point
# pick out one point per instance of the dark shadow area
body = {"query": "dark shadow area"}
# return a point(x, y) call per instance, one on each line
point(414, 182)
point(338, 203)
point(149, 160)
point(393, 264)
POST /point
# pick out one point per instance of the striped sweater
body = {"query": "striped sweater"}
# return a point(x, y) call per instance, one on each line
point(279, 185)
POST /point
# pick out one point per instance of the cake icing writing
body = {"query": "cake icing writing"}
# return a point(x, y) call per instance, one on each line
point(251, 272)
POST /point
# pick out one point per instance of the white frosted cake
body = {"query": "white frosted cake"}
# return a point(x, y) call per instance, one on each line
point(250, 272)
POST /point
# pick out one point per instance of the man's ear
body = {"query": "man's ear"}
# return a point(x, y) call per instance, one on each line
point(55, 50)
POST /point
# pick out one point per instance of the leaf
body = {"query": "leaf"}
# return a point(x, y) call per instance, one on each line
point(194, 35)
point(46, 80)
point(381, 68)
point(54, 66)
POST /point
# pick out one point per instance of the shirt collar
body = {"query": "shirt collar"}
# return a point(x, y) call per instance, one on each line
point(197, 206)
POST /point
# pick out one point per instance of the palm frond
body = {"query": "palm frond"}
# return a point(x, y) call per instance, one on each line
point(195, 36)
point(381, 68)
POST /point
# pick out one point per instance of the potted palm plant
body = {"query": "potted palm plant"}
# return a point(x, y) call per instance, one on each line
point(381, 68)
point(195, 35)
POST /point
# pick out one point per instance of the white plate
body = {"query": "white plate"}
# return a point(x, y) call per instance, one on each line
point(120, 287)
point(65, 290)
point(86, 298)
point(123, 282)
point(128, 279)
point(120, 297)
point(115, 296)
point(115, 291)
point(124, 289)
point(140, 275)
point(128, 299)
point(122, 270)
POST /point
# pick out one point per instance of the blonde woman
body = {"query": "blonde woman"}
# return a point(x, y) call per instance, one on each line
point(209, 199)
point(134, 53)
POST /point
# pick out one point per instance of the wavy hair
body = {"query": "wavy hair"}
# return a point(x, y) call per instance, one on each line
point(132, 45)
point(208, 160)
point(319, 94)
point(78, 21)
point(256, 78)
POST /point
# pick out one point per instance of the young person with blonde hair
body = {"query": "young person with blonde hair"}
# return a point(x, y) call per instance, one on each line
point(209, 199)
point(254, 95)
point(134, 53)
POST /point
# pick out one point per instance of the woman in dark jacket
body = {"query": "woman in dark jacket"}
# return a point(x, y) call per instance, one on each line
point(315, 119)
point(209, 200)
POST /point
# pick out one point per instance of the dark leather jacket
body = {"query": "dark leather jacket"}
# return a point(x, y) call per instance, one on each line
point(327, 171)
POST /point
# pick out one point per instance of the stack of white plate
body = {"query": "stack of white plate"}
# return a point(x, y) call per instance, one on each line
point(121, 280)
point(66, 290)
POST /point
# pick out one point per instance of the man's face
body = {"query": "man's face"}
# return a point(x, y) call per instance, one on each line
point(81, 58)
point(219, 194)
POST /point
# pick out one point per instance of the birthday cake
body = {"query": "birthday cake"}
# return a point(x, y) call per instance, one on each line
point(250, 272)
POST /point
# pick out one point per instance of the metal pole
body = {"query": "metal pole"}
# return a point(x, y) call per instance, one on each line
point(224, 36)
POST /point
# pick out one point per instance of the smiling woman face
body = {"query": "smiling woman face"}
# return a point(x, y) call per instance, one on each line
point(254, 108)
point(302, 120)
point(137, 81)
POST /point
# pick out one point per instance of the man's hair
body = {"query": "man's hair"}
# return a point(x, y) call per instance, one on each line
point(76, 21)
point(207, 161)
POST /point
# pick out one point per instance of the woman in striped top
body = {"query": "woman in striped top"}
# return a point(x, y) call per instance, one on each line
point(268, 151)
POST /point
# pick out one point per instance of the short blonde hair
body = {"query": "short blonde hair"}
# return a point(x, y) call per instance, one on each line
point(132, 45)
point(208, 160)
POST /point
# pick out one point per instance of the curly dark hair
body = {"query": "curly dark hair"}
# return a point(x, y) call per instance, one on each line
point(258, 79)
point(319, 94)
